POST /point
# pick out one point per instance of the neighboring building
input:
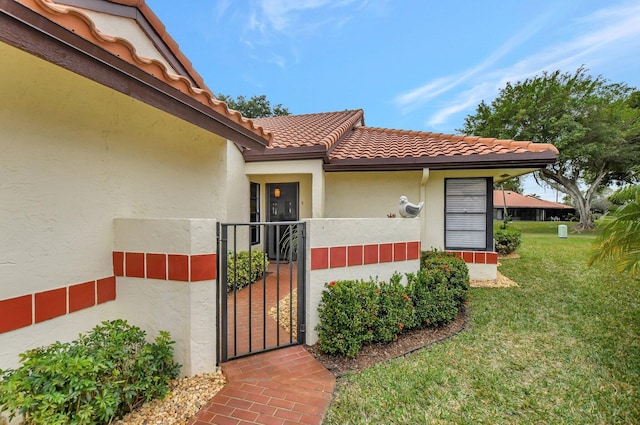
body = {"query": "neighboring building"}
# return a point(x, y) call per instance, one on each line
point(528, 208)
point(118, 163)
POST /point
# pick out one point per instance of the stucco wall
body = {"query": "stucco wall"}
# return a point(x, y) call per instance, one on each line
point(369, 194)
point(184, 301)
point(356, 249)
point(376, 194)
point(75, 155)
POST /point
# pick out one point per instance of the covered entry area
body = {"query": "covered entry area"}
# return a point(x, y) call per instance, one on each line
point(260, 308)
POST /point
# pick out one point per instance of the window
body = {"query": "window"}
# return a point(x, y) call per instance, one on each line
point(254, 211)
point(468, 224)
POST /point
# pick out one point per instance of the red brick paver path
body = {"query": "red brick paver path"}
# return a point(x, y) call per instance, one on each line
point(285, 386)
point(254, 301)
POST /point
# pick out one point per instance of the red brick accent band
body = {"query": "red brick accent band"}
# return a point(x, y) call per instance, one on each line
point(180, 267)
point(477, 257)
point(26, 310)
point(357, 255)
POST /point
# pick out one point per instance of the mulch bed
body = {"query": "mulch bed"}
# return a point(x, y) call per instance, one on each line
point(406, 343)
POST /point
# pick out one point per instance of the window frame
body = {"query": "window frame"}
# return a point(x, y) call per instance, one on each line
point(488, 213)
point(254, 213)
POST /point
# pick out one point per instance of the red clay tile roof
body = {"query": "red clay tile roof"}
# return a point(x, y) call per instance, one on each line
point(369, 142)
point(75, 20)
point(341, 139)
point(516, 200)
point(323, 129)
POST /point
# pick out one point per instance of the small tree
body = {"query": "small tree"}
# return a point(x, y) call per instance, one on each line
point(620, 237)
point(254, 107)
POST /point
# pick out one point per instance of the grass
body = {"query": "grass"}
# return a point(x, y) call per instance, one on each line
point(562, 348)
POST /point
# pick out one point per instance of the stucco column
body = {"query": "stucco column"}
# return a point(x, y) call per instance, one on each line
point(423, 197)
point(166, 280)
point(317, 194)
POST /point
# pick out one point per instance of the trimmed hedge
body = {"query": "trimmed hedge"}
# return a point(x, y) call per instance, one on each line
point(455, 270)
point(100, 376)
point(507, 240)
point(354, 313)
point(395, 310)
point(241, 272)
point(347, 316)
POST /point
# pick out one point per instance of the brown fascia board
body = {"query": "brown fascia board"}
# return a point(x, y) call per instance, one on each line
point(31, 32)
point(286, 154)
point(456, 162)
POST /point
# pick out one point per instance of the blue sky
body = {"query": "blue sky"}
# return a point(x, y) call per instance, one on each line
point(410, 64)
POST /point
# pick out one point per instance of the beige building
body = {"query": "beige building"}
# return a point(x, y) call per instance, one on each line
point(118, 164)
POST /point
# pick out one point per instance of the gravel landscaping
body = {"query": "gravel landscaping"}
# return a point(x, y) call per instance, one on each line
point(188, 395)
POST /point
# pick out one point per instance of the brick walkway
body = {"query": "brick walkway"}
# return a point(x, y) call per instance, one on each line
point(255, 301)
point(286, 386)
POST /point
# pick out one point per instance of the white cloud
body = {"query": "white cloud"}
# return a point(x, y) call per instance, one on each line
point(608, 35)
point(294, 17)
point(415, 98)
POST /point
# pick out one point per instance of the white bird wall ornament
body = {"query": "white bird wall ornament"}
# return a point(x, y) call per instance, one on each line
point(407, 209)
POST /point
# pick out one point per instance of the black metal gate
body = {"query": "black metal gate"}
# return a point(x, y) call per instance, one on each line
point(261, 291)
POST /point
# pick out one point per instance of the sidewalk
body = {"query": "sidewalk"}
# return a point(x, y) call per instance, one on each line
point(285, 386)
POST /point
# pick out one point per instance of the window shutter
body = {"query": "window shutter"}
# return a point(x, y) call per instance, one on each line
point(466, 213)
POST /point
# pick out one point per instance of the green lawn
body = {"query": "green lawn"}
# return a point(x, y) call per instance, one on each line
point(562, 348)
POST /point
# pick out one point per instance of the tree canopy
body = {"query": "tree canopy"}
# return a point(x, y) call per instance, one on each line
point(594, 124)
point(254, 107)
point(513, 184)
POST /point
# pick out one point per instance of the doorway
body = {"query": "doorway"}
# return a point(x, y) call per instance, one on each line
point(283, 206)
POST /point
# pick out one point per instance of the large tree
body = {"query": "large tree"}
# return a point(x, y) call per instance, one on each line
point(593, 123)
point(513, 184)
point(254, 107)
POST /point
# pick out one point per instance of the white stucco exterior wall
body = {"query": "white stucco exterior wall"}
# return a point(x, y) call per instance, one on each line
point(75, 155)
point(376, 194)
point(369, 194)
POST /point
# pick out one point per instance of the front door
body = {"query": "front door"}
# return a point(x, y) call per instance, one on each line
point(282, 203)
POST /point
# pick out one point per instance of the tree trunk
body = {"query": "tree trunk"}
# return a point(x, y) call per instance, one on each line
point(571, 188)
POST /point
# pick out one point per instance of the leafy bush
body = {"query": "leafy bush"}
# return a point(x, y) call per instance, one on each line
point(347, 316)
point(454, 269)
point(507, 240)
point(394, 310)
point(434, 300)
point(98, 377)
point(242, 272)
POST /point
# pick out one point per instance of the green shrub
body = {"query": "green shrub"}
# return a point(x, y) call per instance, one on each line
point(100, 376)
point(394, 310)
point(434, 300)
point(347, 316)
point(454, 269)
point(507, 240)
point(242, 272)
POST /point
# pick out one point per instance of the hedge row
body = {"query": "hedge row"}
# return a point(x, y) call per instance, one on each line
point(354, 313)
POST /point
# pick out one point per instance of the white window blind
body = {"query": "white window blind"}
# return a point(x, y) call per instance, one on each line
point(466, 213)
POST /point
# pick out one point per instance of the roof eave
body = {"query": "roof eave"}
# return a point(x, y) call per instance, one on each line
point(286, 154)
point(455, 162)
point(31, 32)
